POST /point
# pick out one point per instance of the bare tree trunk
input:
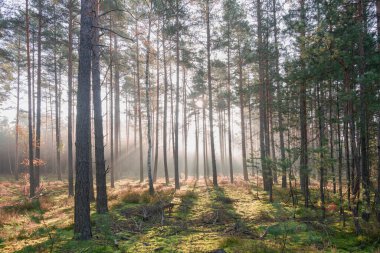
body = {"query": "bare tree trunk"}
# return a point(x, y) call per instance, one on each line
point(262, 108)
point(242, 120)
point(82, 223)
point(139, 105)
point(196, 116)
point(378, 131)
point(378, 172)
point(33, 93)
point(92, 192)
point(250, 135)
point(210, 105)
point(127, 123)
point(303, 114)
point(117, 99)
point(229, 107)
point(101, 186)
point(38, 129)
point(157, 103)
point(331, 137)
point(279, 98)
point(30, 126)
point(340, 158)
point(176, 165)
point(57, 121)
point(70, 102)
point(147, 96)
point(205, 158)
point(52, 127)
point(346, 136)
point(165, 144)
point(363, 116)
point(321, 145)
point(185, 120)
point(18, 106)
point(111, 88)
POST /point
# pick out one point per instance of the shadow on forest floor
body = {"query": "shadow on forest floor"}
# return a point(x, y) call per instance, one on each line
point(198, 218)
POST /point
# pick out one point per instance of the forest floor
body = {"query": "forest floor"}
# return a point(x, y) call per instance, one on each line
point(198, 218)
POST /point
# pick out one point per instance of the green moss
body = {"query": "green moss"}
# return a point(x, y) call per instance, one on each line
point(237, 245)
point(202, 219)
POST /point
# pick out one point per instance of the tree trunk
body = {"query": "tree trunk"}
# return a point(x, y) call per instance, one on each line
point(82, 224)
point(242, 120)
point(176, 166)
point(321, 127)
point(111, 88)
point(30, 126)
point(147, 96)
point(38, 129)
point(185, 127)
point(229, 107)
point(117, 99)
point(92, 192)
point(346, 85)
point(101, 184)
point(363, 115)
point(18, 107)
point(196, 116)
point(205, 158)
point(262, 109)
point(157, 104)
point(331, 137)
point(165, 125)
point(378, 131)
point(70, 102)
point(340, 157)
point(213, 160)
point(139, 104)
point(304, 170)
point(57, 120)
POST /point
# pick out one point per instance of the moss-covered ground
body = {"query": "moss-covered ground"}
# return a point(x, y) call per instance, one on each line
point(198, 218)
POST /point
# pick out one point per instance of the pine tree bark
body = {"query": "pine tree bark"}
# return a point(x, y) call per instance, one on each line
point(363, 115)
point(340, 157)
point(70, 101)
point(82, 224)
point(264, 151)
point(157, 103)
point(147, 96)
point(346, 85)
point(304, 170)
point(242, 119)
point(30, 122)
point(139, 103)
point(229, 106)
point(117, 99)
point(378, 131)
point(210, 105)
point(185, 120)
point(101, 186)
point(57, 112)
point(165, 124)
point(196, 116)
point(331, 136)
point(18, 108)
point(111, 90)
point(321, 126)
point(38, 118)
point(176, 158)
